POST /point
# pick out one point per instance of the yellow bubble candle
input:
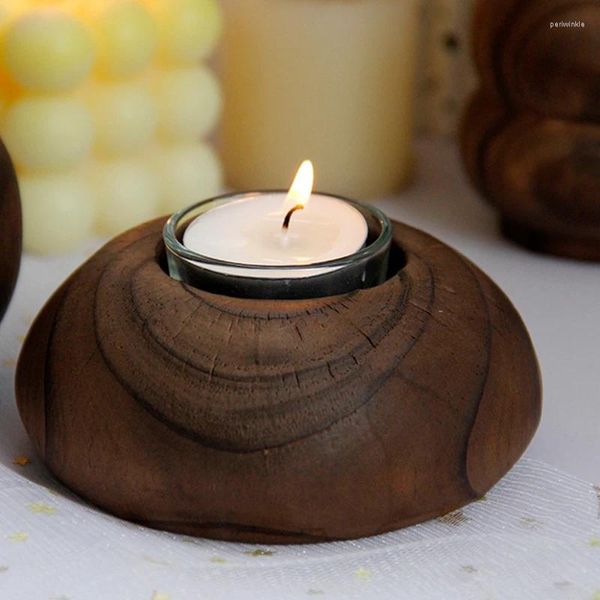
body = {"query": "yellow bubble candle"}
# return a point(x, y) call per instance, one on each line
point(329, 79)
point(125, 114)
point(58, 211)
point(106, 108)
point(48, 133)
point(130, 191)
point(126, 37)
point(188, 101)
point(188, 29)
point(188, 173)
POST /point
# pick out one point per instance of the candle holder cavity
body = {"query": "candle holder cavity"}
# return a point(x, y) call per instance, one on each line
point(10, 229)
point(365, 268)
point(279, 420)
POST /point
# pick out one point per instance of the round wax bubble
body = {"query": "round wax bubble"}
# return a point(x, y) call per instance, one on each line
point(188, 173)
point(124, 114)
point(58, 211)
point(46, 133)
point(127, 194)
point(47, 50)
point(189, 29)
point(127, 37)
point(189, 102)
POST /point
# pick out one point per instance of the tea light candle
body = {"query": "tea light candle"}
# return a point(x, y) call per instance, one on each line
point(279, 229)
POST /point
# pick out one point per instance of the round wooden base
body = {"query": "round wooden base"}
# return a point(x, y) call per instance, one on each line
point(279, 420)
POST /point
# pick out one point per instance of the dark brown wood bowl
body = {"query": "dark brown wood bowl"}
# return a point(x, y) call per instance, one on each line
point(279, 421)
point(10, 229)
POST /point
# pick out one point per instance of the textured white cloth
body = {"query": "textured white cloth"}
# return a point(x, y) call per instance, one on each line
point(536, 536)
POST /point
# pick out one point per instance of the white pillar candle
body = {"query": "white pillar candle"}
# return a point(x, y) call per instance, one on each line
point(329, 79)
point(250, 230)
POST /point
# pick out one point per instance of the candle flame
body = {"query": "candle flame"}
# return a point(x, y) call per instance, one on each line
point(302, 187)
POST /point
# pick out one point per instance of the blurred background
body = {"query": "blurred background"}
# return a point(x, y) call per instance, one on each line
point(119, 111)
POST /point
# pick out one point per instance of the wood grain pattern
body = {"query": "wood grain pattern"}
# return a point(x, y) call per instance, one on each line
point(531, 135)
point(10, 229)
point(278, 421)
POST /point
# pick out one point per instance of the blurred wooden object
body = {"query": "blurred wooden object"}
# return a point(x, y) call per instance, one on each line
point(10, 229)
point(531, 134)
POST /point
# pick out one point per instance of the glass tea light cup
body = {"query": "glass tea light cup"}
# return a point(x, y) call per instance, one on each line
point(279, 245)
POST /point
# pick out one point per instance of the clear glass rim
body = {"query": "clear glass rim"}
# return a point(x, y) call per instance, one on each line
point(177, 248)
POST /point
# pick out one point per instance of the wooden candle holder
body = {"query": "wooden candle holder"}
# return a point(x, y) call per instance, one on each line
point(531, 135)
point(10, 229)
point(279, 420)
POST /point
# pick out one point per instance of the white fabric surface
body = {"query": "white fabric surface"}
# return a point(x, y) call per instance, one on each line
point(536, 536)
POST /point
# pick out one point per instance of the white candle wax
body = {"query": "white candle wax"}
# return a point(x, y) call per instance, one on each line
point(249, 231)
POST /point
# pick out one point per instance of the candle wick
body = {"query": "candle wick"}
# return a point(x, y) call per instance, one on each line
point(288, 217)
